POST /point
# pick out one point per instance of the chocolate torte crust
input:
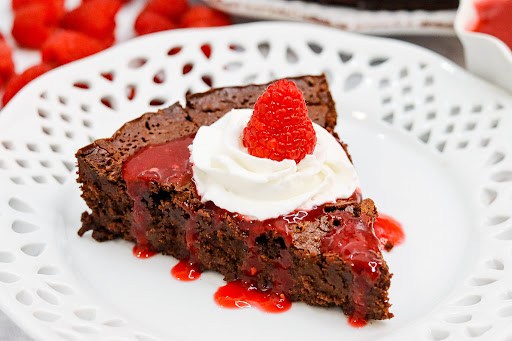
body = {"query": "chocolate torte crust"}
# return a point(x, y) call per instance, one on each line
point(316, 278)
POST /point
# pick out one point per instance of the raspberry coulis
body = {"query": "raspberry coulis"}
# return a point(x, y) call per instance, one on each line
point(356, 243)
point(186, 270)
point(165, 163)
point(242, 294)
point(143, 251)
point(389, 231)
point(353, 240)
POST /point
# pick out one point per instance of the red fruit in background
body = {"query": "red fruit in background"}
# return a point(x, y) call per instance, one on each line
point(172, 9)
point(56, 7)
point(202, 16)
point(96, 18)
point(279, 127)
point(149, 22)
point(122, 1)
point(33, 24)
point(207, 50)
point(67, 46)
point(17, 4)
point(6, 62)
point(19, 81)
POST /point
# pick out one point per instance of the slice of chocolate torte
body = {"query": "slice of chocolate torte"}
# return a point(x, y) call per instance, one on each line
point(139, 185)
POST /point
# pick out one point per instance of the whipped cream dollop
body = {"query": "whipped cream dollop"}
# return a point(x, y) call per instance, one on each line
point(225, 173)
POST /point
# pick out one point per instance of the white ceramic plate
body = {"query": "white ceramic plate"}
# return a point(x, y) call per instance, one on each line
point(432, 145)
point(346, 18)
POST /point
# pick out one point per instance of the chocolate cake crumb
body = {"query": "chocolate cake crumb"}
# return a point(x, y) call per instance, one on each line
point(317, 279)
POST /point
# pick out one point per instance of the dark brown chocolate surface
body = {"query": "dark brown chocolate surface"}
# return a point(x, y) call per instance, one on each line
point(393, 4)
point(318, 279)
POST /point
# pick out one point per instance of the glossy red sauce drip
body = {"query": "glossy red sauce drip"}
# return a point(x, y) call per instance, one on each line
point(186, 271)
point(389, 231)
point(143, 251)
point(356, 323)
point(240, 294)
point(355, 242)
point(166, 163)
point(493, 17)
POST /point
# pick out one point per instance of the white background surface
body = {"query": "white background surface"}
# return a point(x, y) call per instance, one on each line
point(447, 46)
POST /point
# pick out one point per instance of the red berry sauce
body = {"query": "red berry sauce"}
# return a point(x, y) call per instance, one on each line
point(143, 251)
point(357, 322)
point(356, 243)
point(241, 294)
point(352, 238)
point(389, 231)
point(254, 230)
point(186, 271)
point(166, 163)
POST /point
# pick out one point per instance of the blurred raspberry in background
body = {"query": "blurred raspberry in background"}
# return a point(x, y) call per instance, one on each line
point(64, 35)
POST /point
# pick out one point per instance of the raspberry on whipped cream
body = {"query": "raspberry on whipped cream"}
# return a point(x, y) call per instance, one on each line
point(261, 188)
point(279, 127)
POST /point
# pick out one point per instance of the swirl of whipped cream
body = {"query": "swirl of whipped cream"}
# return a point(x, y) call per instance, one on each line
point(225, 173)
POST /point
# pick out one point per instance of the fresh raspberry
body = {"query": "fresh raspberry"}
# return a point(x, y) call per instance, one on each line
point(279, 127)
point(171, 9)
point(19, 81)
point(67, 46)
point(56, 7)
point(202, 16)
point(149, 22)
point(96, 18)
point(33, 24)
point(6, 62)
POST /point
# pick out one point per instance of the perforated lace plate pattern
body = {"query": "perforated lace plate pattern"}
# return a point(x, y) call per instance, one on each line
point(61, 287)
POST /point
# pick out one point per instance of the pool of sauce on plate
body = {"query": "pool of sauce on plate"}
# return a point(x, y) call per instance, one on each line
point(186, 270)
point(242, 294)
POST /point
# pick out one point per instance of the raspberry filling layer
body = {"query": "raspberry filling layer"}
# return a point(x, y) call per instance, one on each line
point(353, 238)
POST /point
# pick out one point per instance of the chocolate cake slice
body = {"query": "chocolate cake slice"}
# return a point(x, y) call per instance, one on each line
point(138, 185)
point(429, 5)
